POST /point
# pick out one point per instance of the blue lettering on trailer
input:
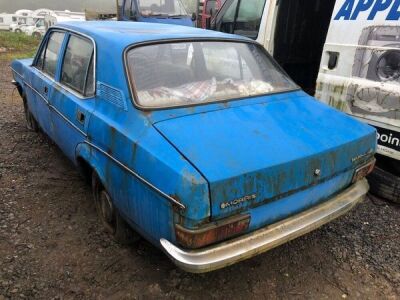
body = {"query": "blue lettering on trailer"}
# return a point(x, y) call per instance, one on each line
point(351, 9)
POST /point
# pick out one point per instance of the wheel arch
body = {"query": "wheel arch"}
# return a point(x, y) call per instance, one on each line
point(87, 163)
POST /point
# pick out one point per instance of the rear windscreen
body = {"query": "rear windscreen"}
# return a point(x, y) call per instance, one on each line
point(186, 73)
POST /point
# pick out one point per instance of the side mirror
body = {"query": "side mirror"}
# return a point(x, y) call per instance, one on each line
point(194, 17)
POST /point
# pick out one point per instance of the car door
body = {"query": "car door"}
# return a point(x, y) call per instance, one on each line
point(74, 93)
point(43, 79)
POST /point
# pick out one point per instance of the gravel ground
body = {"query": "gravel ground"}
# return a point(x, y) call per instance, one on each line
point(52, 246)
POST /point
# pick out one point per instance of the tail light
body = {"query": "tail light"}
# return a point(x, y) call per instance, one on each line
point(212, 233)
point(363, 171)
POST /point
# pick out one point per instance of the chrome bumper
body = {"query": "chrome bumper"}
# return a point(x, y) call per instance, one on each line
point(256, 242)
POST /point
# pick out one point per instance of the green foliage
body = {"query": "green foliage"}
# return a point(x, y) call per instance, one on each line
point(17, 45)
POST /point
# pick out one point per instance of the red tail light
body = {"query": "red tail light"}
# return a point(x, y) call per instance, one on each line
point(363, 171)
point(212, 233)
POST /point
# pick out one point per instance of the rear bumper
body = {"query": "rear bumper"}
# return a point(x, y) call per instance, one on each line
point(256, 242)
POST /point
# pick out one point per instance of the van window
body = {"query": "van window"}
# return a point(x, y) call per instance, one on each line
point(49, 56)
point(128, 8)
point(249, 18)
point(77, 65)
point(244, 20)
point(228, 17)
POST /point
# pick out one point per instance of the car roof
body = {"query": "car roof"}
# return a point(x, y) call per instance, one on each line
point(124, 33)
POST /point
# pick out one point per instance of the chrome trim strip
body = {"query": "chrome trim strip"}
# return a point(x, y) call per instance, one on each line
point(256, 242)
point(175, 202)
point(37, 92)
point(12, 69)
point(56, 110)
point(67, 120)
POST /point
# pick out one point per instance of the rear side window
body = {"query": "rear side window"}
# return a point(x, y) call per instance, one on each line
point(77, 71)
point(47, 60)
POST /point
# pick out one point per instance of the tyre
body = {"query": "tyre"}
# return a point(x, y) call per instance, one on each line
point(18, 31)
point(31, 123)
point(109, 216)
point(36, 35)
point(385, 184)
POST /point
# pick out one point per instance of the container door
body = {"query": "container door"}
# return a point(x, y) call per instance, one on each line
point(360, 67)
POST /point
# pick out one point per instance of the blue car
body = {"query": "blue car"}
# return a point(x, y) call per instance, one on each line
point(194, 139)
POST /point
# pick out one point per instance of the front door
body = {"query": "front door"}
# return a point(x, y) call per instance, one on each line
point(43, 80)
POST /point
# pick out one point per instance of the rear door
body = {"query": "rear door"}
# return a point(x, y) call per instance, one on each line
point(43, 79)
point(360, 67)
point(73, 99)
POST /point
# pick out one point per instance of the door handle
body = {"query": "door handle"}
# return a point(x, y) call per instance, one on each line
point(80, 117)
point(46, 90)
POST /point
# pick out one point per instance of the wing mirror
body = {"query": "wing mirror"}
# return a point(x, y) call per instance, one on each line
point(194, 17)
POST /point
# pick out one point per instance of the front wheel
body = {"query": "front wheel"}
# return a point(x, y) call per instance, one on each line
point(109, 216)
point(18, 31)
point(31, 123)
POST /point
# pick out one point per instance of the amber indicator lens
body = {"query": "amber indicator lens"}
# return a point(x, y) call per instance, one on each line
point(364, 170)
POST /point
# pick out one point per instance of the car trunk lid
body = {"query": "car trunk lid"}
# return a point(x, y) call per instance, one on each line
point(259, 153)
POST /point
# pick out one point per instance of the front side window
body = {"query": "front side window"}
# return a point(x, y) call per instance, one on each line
point(48, 57)
point(77, 69)
point(166, 8)
point(190, 73)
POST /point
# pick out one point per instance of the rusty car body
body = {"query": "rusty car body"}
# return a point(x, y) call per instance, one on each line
point(195, 139)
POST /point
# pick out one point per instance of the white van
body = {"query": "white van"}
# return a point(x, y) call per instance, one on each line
point(6, 20)
point(345, 52)
point(19, 22)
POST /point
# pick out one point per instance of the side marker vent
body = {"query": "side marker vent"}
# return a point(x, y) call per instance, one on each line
point(112, 95)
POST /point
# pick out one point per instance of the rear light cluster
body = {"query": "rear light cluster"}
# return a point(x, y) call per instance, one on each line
point(216, 232)
point(363, 171)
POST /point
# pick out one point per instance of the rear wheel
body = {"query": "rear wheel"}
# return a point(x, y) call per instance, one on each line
point(109, 215)
point(385, 180)
point(31, 123)
point(18, 31)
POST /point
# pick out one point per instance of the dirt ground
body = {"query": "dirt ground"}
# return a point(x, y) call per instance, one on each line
point(52, 245)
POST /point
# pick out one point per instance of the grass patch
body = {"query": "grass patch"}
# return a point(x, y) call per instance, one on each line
point(17, 45)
